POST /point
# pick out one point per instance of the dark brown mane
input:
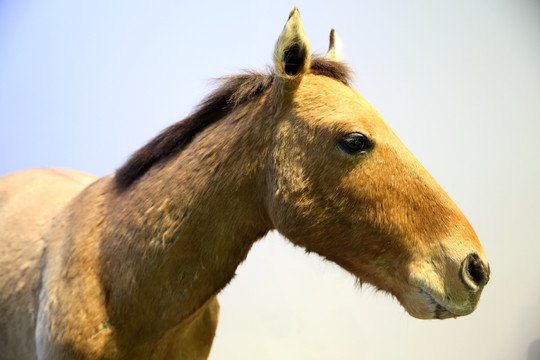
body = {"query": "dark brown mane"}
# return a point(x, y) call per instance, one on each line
point(234, 91)
point(332, 69)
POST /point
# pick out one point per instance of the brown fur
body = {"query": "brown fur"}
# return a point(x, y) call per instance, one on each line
point(129, 266)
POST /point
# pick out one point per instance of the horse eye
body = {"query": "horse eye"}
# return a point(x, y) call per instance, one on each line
point(355, 143)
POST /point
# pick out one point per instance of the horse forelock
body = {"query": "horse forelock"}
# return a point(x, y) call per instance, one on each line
point(232, 92)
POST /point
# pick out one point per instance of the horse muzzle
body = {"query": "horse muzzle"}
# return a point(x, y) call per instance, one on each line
point(437, 297)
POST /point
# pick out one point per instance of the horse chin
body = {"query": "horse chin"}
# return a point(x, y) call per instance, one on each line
point(423, 304)
point(438, 310)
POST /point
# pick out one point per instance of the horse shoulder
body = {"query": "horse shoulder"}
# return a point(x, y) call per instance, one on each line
point(29, 200)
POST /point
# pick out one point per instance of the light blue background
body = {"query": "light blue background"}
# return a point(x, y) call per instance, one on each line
point(85, 83)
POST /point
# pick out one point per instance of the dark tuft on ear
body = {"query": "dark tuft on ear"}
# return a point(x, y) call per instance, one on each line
point(294, 58)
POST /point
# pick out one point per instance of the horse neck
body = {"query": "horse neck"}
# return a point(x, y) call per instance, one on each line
point(175, 237)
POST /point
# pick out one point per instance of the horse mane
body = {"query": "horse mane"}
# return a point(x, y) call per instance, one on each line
point(233, 91)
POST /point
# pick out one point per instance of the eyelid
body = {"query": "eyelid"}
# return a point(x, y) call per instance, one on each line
point(347, 143)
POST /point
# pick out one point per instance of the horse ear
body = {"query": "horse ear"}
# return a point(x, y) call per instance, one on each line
point(292, 56)
point(334, 48)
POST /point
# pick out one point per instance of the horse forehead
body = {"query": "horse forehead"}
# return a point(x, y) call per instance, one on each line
point(323, 98)
point(322, 89)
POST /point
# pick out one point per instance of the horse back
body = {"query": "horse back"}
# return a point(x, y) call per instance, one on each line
point(29, 201)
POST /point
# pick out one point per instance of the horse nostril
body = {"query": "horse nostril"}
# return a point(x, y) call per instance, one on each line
point(474, 273)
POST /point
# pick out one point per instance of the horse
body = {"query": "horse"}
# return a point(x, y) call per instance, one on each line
point(129, 266)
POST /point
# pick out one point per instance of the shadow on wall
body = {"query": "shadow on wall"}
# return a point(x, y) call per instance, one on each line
point(534, 350)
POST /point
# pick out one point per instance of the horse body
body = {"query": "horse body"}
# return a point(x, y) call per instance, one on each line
point(53, 299)
point(128, 266)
